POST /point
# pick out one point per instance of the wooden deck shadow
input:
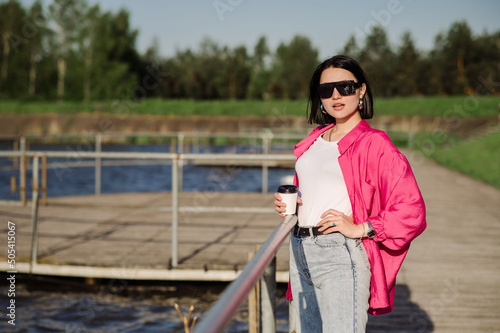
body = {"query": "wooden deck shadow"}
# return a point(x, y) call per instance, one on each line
point(406, 317)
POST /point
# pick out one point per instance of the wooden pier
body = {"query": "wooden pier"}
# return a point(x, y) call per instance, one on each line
point(449, 281)
point(131, 234)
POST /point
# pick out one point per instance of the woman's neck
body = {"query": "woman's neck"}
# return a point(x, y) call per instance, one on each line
point(343, 127)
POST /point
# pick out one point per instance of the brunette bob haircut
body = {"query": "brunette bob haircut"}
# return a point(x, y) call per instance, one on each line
point(349, 64)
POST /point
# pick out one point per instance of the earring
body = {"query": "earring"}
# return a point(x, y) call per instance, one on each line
point(360, 105)
point(322, 108)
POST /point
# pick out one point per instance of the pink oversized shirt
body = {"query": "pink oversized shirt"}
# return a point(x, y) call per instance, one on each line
point(382, 189)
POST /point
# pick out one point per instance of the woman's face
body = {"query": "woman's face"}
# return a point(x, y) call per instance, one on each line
point(342, 108)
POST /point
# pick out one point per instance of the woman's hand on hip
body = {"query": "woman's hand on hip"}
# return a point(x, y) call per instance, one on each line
point(333, 220)
point(280, 205)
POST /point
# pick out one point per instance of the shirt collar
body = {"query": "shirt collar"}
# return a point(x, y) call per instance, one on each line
point(352, 136)
point(343, 144)
point(308, 141)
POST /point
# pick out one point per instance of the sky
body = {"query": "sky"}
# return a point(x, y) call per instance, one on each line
point(182, 24)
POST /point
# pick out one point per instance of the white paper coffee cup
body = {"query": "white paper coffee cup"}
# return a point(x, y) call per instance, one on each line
point(288, 195)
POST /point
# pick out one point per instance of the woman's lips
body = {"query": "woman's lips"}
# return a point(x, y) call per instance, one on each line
point(338, 106)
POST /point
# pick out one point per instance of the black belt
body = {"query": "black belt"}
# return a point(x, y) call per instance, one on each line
point(304, 232)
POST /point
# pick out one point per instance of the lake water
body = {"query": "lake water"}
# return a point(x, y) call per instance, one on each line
point(72, 176)
point(45, 304)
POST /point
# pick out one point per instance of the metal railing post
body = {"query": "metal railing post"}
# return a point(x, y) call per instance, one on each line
point(268, 298)
point(266, 138)
point(180, 143)
point(98, 164)
point(196, 144)
point(44, 179)
point(22, 169)
point(34, 237)
point(180, 150)
point(175, 209)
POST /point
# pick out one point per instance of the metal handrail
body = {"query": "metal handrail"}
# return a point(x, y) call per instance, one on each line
point(219, 316)
point(146, 155)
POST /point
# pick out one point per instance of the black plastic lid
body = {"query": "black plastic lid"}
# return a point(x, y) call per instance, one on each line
point(288, 189)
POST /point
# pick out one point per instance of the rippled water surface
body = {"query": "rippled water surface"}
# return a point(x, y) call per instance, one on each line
point(46, 304)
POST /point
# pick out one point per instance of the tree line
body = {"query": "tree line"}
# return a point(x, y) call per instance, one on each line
point(68, 50)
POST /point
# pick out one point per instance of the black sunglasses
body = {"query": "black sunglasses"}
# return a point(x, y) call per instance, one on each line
point(345, 88)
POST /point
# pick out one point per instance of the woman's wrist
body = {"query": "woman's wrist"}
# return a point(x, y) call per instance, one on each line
point(363, 230)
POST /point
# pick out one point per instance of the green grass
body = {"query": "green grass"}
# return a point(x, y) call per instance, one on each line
point(21, 107)
point(461, 106)
point(174, 107)
point(478, 158)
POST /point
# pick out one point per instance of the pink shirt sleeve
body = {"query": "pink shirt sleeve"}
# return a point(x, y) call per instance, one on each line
point(401, 217)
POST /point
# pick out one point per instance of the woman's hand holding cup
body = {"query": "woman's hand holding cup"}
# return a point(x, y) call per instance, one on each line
point(286, 200)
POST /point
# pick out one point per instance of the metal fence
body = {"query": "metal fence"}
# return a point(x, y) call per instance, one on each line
point(177, 161)
point(262, 143)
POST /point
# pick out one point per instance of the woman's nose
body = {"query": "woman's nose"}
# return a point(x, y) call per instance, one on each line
point(336, 94)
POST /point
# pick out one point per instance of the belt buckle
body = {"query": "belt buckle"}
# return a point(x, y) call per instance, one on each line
point(302, 232)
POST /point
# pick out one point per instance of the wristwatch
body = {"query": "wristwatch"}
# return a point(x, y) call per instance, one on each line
point(371, 232)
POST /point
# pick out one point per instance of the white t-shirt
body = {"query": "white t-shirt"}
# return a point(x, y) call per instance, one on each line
point(321, 183)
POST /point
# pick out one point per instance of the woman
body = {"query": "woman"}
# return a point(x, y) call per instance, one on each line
point(359, 207)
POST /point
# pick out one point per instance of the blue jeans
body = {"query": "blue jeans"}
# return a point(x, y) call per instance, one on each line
point(330, 280)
